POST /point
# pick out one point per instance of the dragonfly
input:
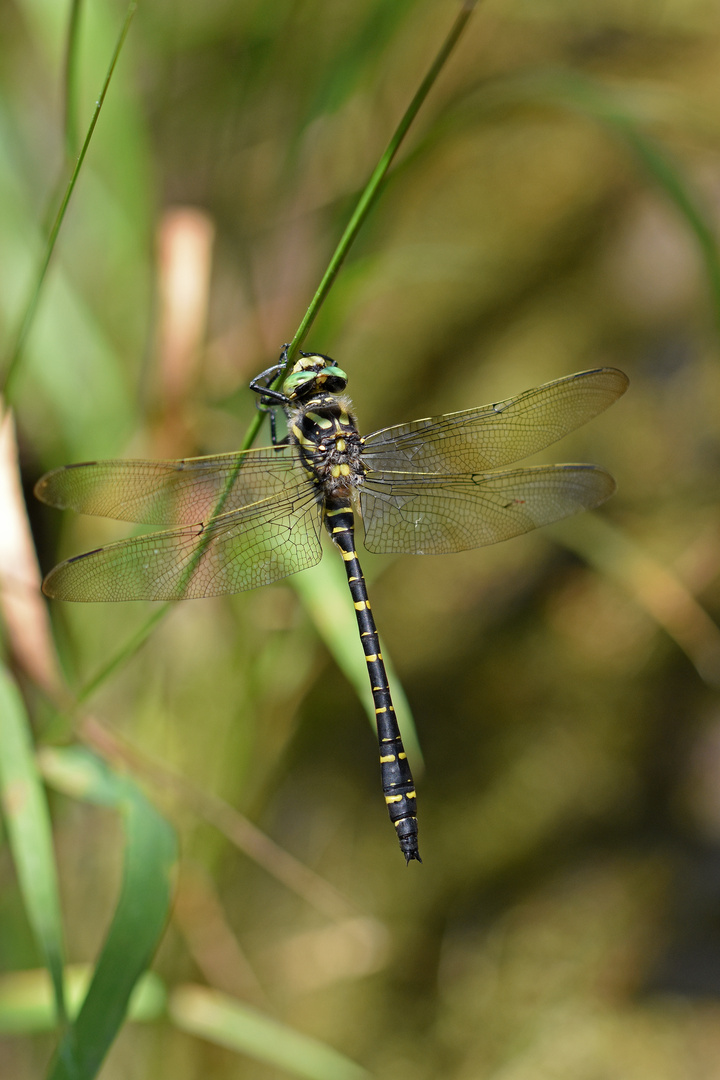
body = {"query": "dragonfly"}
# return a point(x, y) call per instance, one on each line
point(242, 520)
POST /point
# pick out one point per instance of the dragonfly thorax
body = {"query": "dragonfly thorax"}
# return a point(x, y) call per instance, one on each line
point(330, 445)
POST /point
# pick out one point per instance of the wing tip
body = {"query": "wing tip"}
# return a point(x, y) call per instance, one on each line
point(613, 376)
point(43, 489)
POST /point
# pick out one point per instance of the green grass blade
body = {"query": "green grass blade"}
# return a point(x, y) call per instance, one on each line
point(228, 1022)
point(140, 916)
point(625, 115)
point(16, 350)
point(125, 652)
point(27, 821)
point(70, 76)
point(365, 204)
point(363, 208)
point(660, 166)
point(27, 1004)
point(612, 109)
point(370, 196)
point(655, 588)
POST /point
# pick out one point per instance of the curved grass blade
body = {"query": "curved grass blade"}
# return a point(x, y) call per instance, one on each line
point(27, 1004)
point(654, 587)
point(365, 204)
point(227, 1022)
point(70, 76)
point(237, 829)
point(125, 652)
point(367, 200)
point(370, 196)
point(27, 822)
point(659, 165)
point(140, 915)
point(614, 108)
point(667, 175)
point(26, 322)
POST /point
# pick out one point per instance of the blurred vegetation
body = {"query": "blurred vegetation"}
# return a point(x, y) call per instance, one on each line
point(552, 210)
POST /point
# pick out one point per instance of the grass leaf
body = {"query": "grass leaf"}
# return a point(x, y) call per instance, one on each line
point(28, 826)
point(228, 1022)
point(27, 1003)
point(139, 920)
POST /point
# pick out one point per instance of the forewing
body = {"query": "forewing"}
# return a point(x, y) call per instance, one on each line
point(475, 440)
point(183, 492)
point(404, 516)
point(239, 550)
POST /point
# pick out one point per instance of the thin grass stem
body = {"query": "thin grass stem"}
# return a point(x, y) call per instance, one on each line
point(16, 351)
point(126, 652)
point(365, 204)
point(367, 200)
point(70, 77)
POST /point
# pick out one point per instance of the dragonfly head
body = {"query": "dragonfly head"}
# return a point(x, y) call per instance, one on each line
point(312, 374)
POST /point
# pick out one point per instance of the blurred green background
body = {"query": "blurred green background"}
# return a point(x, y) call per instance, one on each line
point(552, 210)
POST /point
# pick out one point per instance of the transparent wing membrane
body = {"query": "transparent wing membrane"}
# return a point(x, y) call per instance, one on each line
point(240, 521)
point(414, 516)
point(183, 492)
point(491, 436)
point(243, 549)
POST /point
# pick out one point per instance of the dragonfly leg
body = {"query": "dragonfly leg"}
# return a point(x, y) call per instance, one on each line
point(270, 400)
point(261, 385)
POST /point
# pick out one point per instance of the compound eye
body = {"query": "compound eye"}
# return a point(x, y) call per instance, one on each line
point(334, 378)
point(314, 373)
point(336, 372)
point(296, 381)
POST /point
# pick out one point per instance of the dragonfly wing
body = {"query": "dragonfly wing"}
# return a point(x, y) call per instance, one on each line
point(488, 437)
point(240, 550)
point(420, 515)
point(182, 492)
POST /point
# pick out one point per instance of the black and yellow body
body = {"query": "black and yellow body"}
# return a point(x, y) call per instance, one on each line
point(243, 520)
point(325, 432)
point(397, 781)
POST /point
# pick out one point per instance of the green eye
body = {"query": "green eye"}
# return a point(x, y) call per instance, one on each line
point(296, 380)
point(314, 373)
